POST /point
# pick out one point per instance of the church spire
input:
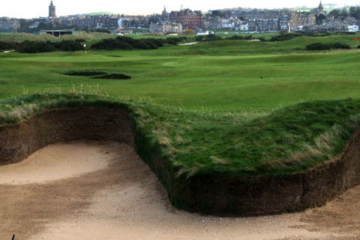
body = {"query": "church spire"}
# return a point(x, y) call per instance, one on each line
point(52, 10)
point(164, 11)
point(321, 7)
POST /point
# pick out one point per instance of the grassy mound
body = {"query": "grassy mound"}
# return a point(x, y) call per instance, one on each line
point(288, 141)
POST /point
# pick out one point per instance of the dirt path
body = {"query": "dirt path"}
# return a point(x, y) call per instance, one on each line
point(92, 191)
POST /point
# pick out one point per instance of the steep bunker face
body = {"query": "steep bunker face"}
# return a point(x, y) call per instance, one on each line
point(64, 125)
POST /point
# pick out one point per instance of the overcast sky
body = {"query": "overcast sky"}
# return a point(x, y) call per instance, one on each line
point(37, 8)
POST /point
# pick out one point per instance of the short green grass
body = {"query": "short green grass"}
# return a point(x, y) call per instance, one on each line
point(225, 106)
point(221, 76)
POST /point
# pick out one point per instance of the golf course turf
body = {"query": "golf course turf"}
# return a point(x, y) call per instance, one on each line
point(230, 127)
point(291, 159)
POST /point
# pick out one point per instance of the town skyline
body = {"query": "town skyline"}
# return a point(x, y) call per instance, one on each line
point(38, 9)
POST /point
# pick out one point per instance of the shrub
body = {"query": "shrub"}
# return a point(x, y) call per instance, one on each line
point(340, 46)
point(36, 47)
point(97, 74)
point(210, 37)
point(241, 37)
point(101, 30)
point(175, 40)
point(143, 45)
point(318, 46)
point(41, 46)
point(327, 46)
point(262, 39)
point(314, 34)
point(109, 44)
point(70, 45)
point(126, 43)
point(7, 46)
point(285, 37)
point(157, 42)
point(147, 44)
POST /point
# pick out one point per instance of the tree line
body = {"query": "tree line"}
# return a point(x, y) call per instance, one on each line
point(346, 12)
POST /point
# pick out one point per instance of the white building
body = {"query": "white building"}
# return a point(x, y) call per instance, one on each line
point(166, 28)
point(244, 27)
point(353, 28)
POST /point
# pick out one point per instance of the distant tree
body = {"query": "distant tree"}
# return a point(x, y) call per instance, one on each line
point(344, 13)
point(218, 13)
point(336, 13)
point(355, 12)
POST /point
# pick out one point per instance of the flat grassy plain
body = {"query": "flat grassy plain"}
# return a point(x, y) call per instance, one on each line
point(219, 76)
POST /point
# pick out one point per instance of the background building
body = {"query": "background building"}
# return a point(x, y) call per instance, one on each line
point(188, 18)
point(235, 19)
point(166, 28)
point(52, 10)
point(299, 20)
point(9, 24)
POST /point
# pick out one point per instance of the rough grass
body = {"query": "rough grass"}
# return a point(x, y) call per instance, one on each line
point(286, 141)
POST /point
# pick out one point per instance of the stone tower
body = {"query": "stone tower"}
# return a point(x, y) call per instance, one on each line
point(52, 10)
point(320, 14)
point(164, 12)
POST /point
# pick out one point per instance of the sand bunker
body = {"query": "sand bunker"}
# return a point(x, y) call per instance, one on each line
point(90, 190)
point(56, 162)
point(188, 44)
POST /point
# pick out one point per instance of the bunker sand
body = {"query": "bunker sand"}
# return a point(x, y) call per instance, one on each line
point(102, 190)
point(54, 163)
